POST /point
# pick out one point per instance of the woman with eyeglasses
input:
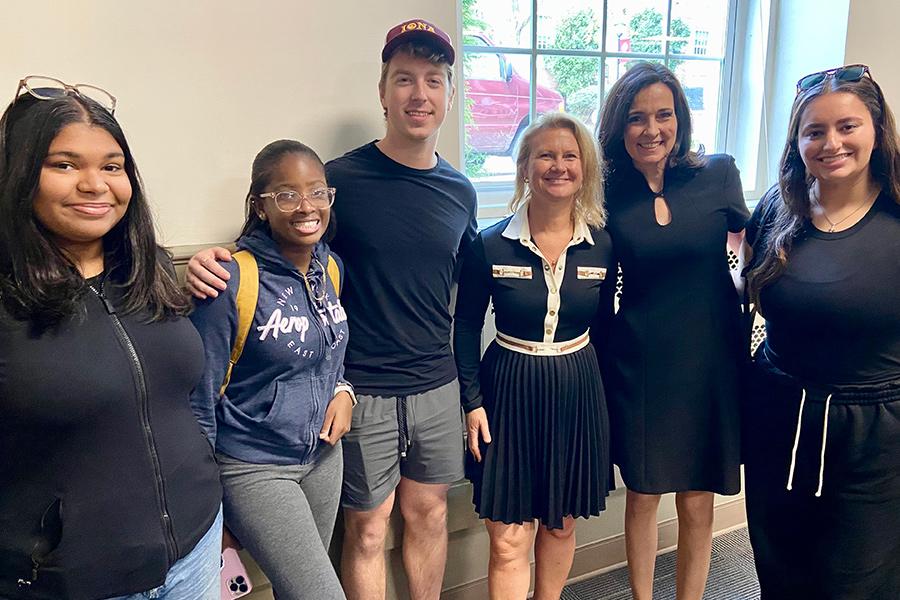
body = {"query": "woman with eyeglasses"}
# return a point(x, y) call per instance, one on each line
point(822, 481)
point(107, 486)
point(672, 380)
point(276, 411)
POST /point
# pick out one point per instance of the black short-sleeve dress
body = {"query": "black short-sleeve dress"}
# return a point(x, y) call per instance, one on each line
point(672, 384)
point(549, 457)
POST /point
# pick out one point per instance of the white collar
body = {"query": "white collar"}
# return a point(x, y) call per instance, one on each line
point(518, 228)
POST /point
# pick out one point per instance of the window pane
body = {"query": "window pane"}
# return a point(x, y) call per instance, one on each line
point(497, 87)
point(700, 26)
point(504, 23)
point(701, 81)
point(616, 67)
point(636, 26)
point(574, 80)
point(495, 111)
point(569, 24)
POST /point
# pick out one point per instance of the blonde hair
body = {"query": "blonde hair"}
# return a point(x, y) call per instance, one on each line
point(590, 206)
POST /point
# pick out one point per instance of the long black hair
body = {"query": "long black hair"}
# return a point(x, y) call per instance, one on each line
point(38, 282)
point(614, 118)
point(261, 173)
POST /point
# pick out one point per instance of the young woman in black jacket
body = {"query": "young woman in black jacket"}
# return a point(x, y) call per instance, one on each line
point(109, 488)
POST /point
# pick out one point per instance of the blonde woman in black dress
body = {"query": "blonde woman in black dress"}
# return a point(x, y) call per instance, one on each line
point(536, 414)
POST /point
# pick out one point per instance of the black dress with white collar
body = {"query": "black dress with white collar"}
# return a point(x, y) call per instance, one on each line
point(539, 382)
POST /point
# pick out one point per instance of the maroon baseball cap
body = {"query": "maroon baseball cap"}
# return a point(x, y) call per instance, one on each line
point(418, 30)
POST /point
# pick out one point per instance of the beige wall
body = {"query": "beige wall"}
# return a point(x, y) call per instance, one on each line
point(871, 40)
point(203, 85)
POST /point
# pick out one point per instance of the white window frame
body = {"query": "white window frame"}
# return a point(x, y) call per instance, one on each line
point(494, 196)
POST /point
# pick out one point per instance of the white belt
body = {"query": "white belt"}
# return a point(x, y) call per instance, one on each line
point(543, 348)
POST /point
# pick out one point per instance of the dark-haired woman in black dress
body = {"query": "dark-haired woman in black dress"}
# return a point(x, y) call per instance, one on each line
point(673, 377)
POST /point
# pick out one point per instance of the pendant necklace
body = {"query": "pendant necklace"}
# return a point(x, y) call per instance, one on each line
point(833, 224)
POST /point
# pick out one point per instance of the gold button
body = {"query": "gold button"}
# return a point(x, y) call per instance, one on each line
point(549, 331)
point(552, 313)
point(546, 267)
point(552, 290)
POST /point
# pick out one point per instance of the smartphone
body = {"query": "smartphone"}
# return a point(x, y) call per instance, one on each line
point(235, 582)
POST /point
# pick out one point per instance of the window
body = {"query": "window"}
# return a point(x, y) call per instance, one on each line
point(522, 58)
point(701, 40)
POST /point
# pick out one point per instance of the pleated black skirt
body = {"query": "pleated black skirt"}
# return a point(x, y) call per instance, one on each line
point(549, 456)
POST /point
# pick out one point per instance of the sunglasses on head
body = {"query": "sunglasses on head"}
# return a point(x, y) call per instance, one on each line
point(848, 73)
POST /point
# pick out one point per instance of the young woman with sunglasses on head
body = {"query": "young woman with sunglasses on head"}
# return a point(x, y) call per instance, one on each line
point(675, 352)
point(822, 484)
point(109, 488)
point(277, 414)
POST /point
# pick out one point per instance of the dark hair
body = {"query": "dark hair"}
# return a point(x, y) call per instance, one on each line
point(264, 166)
point(614, 117)
point(793, 206)
point(38, 282)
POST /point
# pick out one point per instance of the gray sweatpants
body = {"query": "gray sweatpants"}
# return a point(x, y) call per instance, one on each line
point(284, 516)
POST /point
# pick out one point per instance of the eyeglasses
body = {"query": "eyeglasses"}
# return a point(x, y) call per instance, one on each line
point(848, 73)
point(48, 88)
point(290, 200)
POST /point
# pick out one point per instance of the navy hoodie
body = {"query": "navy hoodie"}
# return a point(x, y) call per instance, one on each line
point(292, 363)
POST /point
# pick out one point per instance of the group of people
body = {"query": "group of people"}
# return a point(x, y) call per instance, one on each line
point(320, 370)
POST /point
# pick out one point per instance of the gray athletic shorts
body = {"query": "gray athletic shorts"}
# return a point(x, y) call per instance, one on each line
point(382, 446)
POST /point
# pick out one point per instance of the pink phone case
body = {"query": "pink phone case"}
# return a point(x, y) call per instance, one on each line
point(235, 583)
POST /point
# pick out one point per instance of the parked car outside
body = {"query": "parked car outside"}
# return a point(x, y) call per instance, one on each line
point(498, 100)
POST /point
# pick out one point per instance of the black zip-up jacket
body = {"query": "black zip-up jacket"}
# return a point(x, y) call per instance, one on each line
point(106, 479)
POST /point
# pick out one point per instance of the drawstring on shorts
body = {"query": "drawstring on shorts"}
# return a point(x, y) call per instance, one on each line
point(402, 426)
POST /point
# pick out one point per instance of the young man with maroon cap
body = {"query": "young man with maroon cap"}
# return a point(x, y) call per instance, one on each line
point(404, 215)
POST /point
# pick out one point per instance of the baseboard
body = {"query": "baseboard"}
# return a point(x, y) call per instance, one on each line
point(604, 555)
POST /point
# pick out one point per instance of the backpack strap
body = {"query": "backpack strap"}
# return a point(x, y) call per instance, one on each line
point(334, 274)
point(247, 296)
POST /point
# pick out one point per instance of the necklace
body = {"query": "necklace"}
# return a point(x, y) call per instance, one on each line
point(832, 225)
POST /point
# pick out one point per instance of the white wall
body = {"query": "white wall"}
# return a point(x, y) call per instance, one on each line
point(203, 85)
